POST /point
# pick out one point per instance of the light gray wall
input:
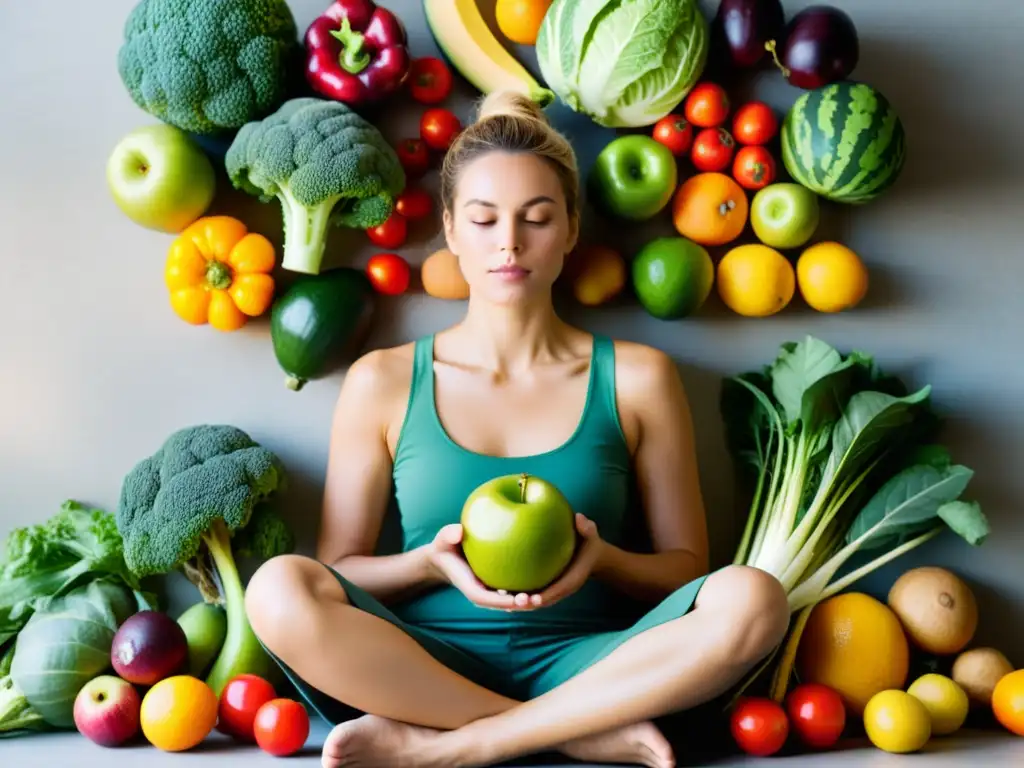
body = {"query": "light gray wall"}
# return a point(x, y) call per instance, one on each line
point(96, 371)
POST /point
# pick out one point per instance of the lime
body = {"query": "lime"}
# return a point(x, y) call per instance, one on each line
point(946, 702)
point(897, 722)
point(672, 277)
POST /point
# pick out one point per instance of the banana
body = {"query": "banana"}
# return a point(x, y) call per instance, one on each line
point(475, 52)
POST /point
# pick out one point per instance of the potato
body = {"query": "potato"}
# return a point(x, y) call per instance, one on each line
point(442, 278)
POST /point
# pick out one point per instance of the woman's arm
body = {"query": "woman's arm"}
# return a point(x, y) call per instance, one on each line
point(666, 469)
point(358, 485)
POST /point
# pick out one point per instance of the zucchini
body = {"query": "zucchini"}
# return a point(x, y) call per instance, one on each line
point(319, 321)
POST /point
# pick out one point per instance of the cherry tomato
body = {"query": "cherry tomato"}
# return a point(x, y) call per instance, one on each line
point(414, 203)
point(390, 234)
point(707, 105)
point(754, 123)
point(239, 701)
point(675, 133)
point(389, 273)
point(759, 726)
point(439, 127)
point(414, 155)
point(281, 727)
point(713, 149)
point(430, 81)
point(817, 714)
point(754, 167)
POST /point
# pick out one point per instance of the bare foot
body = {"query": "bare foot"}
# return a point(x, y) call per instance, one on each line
point(638, 744)
point(372, 742)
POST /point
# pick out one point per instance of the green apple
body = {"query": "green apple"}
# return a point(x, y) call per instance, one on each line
point(160, 178)
point(672, 277)
point(518, 533)
point(633, 177)
point(784, 215)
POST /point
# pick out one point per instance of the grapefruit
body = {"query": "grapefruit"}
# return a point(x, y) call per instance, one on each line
point(855, 645)
point(672, 277)
point(710, 209)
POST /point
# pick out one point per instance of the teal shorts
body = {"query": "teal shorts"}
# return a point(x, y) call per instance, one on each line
point(522, 669)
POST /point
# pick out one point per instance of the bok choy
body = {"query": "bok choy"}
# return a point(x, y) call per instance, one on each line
point(841, 459)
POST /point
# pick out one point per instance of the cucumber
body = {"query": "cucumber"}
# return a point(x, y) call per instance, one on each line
point(318, 321)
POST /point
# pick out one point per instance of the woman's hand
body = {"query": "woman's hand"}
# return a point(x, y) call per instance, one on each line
point(588, 552)
point(446, 558)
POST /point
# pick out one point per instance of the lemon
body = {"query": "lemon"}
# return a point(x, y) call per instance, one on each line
point(897, 722)
point(178, 712)
point(755, 280)
point(946, 702)
point(831, 277)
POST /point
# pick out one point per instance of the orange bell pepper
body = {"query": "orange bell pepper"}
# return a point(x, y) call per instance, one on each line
point(219, 273)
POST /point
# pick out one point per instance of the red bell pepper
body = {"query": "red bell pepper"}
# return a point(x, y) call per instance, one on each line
point(357, 52)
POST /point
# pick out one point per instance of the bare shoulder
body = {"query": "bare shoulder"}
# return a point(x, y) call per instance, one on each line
point(379, 374)
point(643, 372)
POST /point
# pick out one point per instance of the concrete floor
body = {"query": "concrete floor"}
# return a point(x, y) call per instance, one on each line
point(70, 749)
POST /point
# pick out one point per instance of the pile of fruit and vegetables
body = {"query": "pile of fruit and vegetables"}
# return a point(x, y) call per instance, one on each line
point(843, 462)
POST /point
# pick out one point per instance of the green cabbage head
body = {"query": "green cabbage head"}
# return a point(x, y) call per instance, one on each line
point(624, 63)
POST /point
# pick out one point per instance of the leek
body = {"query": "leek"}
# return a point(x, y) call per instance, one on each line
point(842, 460)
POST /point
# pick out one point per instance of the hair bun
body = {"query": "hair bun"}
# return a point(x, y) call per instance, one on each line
point(510, 104)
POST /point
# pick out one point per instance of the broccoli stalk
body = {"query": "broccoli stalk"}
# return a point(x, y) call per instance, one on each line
point(325, 164)
point(195, 506)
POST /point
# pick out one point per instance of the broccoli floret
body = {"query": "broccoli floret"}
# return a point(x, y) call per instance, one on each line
point(209, 66)
point(326, 164)
point(180, 508)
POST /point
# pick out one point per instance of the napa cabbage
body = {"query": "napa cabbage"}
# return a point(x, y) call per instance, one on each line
point(624, 63)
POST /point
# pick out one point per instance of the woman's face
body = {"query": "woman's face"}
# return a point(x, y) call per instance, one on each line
point(509, 227)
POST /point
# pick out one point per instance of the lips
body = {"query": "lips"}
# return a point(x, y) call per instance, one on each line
point(510, 271)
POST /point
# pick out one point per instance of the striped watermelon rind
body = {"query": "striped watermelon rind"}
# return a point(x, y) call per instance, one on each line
point(844, 141)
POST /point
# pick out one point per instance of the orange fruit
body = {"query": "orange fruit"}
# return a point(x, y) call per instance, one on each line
point(519, 20)
point(855, 645)
point(755, 280)
point(1008, 702)
point(710, 209)
point(178, 712)
point(832, 278)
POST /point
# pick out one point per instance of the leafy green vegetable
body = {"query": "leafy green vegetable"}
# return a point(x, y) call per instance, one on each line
point(44, 561)
point(183, 506)
point(62, 647)
point(325, 164)
point(842, 458)
point(623, 63)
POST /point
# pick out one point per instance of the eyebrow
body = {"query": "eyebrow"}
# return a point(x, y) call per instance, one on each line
point(531, 202)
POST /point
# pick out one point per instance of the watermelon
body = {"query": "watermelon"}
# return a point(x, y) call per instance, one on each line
point(844, 141)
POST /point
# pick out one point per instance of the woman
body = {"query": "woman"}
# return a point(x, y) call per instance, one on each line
point(444, 671)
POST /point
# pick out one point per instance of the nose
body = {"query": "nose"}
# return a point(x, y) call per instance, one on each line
point(508, 236)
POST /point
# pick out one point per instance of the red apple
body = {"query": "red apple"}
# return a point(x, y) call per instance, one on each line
point(148, 647)
point(107, 711)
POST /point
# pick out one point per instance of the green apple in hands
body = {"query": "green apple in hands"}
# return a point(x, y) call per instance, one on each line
point(160, 178)
point(518, 533)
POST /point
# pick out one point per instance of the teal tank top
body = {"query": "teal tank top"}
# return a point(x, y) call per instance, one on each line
point(433, 475)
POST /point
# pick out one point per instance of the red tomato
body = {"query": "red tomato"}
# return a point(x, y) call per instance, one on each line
point(390, 234)
point(389, 273)
point(754, 167)
point(414, 156)
point(281, 727)
point(414, 203)
point(430, 81)
point(754, 123)
point(675, 133)
point(239, 701)
point(759, 726)
point(707, 105)
point(713, 150)
point(817, 714)
point(439, 127)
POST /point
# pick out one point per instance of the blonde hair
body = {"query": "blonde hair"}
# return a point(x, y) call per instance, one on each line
point(509, 121)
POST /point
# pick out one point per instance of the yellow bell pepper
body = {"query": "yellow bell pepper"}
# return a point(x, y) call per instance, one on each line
point(219, 273)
